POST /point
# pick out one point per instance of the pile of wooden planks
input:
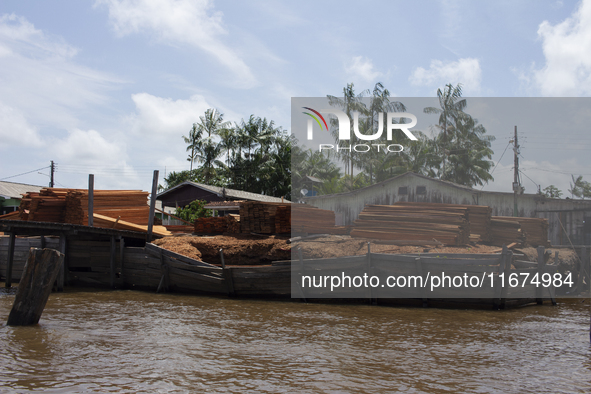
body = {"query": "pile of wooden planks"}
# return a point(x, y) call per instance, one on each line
point(128, 205)
point(479, 217)
point(414, 222)
point(506, 230)
point(307, 219)
point(109, 222)
point(535, 229)
point(46, 206)
point(211, 225)
point(283, 219)
point(259, 217)
point(217, 225)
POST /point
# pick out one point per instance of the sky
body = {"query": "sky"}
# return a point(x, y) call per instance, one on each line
point(109, 87)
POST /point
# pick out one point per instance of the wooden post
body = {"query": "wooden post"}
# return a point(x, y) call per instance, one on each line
point(152, 205)
point(222, 258)
point(498, 301)
point(42, 240)
point(419, 268)
point(112, 261)
point(35, 286)
point(90, 199)
point(11, 243)
point(541, 270)
point(302, 294)
point(62, 271)
point(121, 255)
point(552, 289)
point(372, 299)
point(227, 276)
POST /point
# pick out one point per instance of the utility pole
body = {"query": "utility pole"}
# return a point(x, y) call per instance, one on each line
point(516, 183)
point(52, 171)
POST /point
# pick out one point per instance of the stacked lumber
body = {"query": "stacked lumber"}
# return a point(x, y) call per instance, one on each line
point(259, 217)
point(212, 225)
point(536, 229)
point(479, 217)
point(46, 206)
point(283, 219)
point(312, 220)
point(233, 224)
point(16, 215)
point(128, 205)
point(505, 230)
point(109, 222)
point(414, 222)
point(217, 225)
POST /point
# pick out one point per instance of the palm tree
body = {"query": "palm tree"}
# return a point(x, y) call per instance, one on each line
point(451, 110)
point(194, 141)
point(350, 103)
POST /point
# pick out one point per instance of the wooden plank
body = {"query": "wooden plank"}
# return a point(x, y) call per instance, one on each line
point(90, 200)
point(152, 205)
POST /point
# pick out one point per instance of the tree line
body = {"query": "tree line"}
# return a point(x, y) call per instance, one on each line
point(257, 156)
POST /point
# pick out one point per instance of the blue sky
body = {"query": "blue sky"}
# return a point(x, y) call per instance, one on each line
point(110, 86)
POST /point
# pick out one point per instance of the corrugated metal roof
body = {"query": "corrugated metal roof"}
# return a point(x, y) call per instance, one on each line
point(14, 190)
point(225, 192)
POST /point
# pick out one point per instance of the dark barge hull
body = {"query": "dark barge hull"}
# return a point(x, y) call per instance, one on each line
point(114, 259)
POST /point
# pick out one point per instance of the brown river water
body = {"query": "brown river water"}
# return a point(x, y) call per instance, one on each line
point(130, 341)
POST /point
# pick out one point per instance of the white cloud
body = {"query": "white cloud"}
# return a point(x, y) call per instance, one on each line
point(180, 22)
point(41, 80)
point(465, 71)
point(87, 148)
point(567, 49)
point(166, 117)
point(15, 130)
point(362, 68)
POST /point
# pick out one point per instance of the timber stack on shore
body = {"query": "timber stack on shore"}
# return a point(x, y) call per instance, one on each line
point(479, 216)
point(506, 230)
point(217, 225)
point(307, 219)
point(259, 217)
point(406, 222)
point(535, 229)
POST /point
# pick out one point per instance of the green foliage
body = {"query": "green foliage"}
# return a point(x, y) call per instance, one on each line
point(580, 188)
point(193, 211)
point(552, 192)
point(257, 155)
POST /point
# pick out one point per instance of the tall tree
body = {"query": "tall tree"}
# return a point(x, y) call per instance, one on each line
point(451, 109)
point(194, 143)
point(350, 103)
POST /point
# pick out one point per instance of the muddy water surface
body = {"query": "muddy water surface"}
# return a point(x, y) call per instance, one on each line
point(128, 341)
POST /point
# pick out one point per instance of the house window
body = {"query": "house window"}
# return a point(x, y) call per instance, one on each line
point(421, 189)
point(403, 190)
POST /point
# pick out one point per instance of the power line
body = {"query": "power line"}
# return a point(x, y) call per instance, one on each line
point(25, 173)
point(498, 161)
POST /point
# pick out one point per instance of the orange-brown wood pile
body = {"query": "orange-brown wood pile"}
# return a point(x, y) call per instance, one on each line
point(478, 215)
point(283, 219)
point(118, 224)
point(414, 222)
point(258, 217)
point(16, 215)
point(506, 230)
point(128, 205)
point(46, 206)
point(535, 229)
point(307, 219)
point(211, 225)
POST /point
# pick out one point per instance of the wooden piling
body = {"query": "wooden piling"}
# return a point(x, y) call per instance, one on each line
point(302, 294)
point(39, 274)
point(227, 276)
point(112, 262)
point(90, 199)
point(11, 243)
point(152, 205)
point(61, 276)
point(541, 271)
